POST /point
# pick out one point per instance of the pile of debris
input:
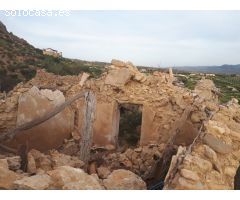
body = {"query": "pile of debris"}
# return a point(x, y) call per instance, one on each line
point(191, 124)
point(59, 171)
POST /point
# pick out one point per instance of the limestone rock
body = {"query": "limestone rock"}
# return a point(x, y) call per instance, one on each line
point(188, 174)
point(118, 77)
point(4, 163)
point(66, 177)
point(216, 128)
point(7, 177)
point(197, 117)
point(14, 163)
point(185, 184)
point(31, 166)
point(139, 77)
point(59, 159)
point(103, 172)
point(83, 78)
point(211, 154)
point(124, 180)
point(217, 144)
point(214, 186)
point(230, 171)
point(118, 63)
point(202, 164)
point(41, 161)
point(36, 182)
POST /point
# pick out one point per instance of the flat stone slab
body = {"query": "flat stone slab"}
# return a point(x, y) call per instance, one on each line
point(216, 144)
point(118, 77)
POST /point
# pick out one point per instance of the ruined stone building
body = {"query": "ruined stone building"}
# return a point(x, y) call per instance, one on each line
point(188, 130)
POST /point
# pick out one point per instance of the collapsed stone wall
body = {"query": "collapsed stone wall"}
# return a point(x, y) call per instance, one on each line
point(163, 103)
point(43, 80)
point(214, 159)
point(170, 113)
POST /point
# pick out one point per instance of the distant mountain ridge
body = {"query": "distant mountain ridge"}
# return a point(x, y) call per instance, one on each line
point(223, 69)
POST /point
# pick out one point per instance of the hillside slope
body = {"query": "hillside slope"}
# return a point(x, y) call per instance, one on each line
point(19, 60)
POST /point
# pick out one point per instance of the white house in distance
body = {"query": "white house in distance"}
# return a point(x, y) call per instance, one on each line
point(52, 52)
point(210, 75)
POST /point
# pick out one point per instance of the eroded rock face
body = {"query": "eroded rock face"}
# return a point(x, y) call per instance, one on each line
point(50, 134)
point(124, 180)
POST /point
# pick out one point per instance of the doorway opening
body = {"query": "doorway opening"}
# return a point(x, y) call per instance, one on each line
point(129, 126)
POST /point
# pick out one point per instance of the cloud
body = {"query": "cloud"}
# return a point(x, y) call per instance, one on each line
point(145, 37)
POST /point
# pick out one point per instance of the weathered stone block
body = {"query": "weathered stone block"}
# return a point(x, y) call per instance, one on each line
point(36, 182)
point(124, 180)
point(118, 77)
point(217, 144)
point(50, 134)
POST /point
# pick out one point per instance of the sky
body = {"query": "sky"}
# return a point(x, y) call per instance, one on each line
point(150, 38)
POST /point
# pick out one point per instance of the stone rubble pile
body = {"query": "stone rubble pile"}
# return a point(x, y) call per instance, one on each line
point(60, 171)
point(142, 160)
point(211, 163)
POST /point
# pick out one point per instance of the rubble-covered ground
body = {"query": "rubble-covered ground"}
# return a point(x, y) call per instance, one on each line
point(192, 142)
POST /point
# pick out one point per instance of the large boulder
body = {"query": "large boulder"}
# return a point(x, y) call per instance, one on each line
point(217, 144)
point(7, 177)
point(122, 72)
point(118, 77)
point(36, 182)
point(124, 180)
point(66, 177)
